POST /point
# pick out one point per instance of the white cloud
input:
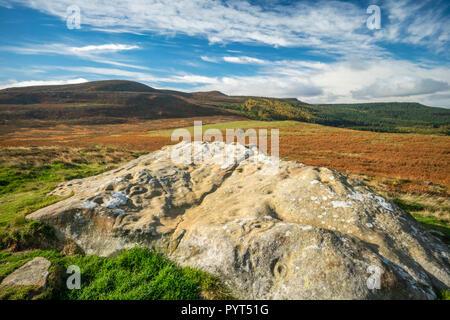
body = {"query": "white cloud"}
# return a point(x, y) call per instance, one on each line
point(344, 81)
point(244, 60)
point(362, 69)
point(331, 25)
point(16, 84)
point(189, 79)
point(439, 100)
point(90, 52)
point(145, 77)
point(268, 86)
point(336, 26)
point(112, 47)
point(401, 87)
point(59, 48)
point(110, 72)
point(380, 79)
point(235, 59)
point(6, 4)
point(209, 59)
point(417, 22)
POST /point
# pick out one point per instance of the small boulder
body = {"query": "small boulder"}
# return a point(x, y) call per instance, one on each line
point(33, 273)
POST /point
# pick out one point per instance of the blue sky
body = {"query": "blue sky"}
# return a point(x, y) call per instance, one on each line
point(316, 51)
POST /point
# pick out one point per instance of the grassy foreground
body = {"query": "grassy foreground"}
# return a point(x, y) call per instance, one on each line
point(136, 274)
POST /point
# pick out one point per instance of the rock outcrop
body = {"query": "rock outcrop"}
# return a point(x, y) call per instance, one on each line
point(299, 232)
point(33, 273)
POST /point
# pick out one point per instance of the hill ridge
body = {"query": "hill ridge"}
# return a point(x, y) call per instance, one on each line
point(105, 100)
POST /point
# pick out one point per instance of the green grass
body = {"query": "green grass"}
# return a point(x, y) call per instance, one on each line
point(435, 224)
point(23, 178)
point(22, 234)
point(444, 295)
point(25, 202)
point(136, 274)
point(11, 293)
point(409, 205)
point(23, 189)
point(418, 211)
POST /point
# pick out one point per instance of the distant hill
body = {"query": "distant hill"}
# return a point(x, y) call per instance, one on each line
point(386, 116)
point(99, 102)
point(105, 85)
point(116, 101)
point(381, 117)
point(272, 109)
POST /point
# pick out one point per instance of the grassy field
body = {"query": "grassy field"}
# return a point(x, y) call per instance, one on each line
point(414, 157)
point(410, 169)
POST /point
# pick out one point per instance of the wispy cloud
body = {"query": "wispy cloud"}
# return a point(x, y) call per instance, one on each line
point(90, 52)
point(112, 47)
point(191, 79)
point(144, 76)
point(329, 24)
point(15, 84)
point(111, 72)
point(209, 59)
point(244, 60)
point(332, 25)
point(6, 4)
point(60, 48)
point(234, 59)
point(417, 22)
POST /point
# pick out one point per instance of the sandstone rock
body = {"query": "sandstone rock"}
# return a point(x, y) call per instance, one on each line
point(299, 232)
point(33, 273)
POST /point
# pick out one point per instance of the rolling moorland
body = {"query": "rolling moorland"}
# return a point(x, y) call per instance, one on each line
point(58, 133)
point(108, 102)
